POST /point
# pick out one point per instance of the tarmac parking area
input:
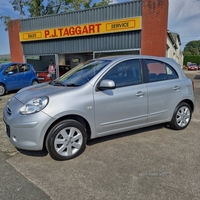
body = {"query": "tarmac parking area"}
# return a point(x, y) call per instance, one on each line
point(150, 163)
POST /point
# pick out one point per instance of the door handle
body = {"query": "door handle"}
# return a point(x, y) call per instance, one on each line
point(139, 94)
point(176, 88)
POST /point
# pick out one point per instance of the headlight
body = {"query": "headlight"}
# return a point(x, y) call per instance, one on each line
point(34, 105)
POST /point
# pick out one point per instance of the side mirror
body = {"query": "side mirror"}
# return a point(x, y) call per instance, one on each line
point(10, 73)
point(106, 84)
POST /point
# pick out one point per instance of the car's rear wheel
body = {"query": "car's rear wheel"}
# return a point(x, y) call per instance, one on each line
point(181, 117)
point(2, 89)
point(66, 140)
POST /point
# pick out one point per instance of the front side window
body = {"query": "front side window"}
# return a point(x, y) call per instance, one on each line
point(125, 73)
point(12, 68)
point(160, 71)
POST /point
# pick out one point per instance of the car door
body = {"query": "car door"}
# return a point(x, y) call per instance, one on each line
point(124, 107)
point(24, 76)
point(164, 90)
point(11, 77)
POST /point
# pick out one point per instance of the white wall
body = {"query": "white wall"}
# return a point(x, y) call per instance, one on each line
point(173, 52)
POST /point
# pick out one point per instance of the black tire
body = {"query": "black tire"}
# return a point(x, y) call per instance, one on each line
point(34, 82)
point(181, 117)
point(2, 90)
point(66, 140)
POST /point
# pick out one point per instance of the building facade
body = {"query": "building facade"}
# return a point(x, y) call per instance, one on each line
point(173, 47)
point(136, 27)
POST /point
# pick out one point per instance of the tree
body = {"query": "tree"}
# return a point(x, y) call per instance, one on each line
point(18, 5)
point(87, 4)
point(102, 3)
point(191, 52)
point(5, 20)
point(34, 8)
point(192, 48)
point(84, 4)
point(78, 4)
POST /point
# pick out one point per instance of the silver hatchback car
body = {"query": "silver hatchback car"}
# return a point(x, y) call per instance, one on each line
point(97, 98)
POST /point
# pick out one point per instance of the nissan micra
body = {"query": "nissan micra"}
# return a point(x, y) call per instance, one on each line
point(100, 97)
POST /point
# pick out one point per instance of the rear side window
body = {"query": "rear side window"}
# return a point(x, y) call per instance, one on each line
point(24, 68)
point(160, 71)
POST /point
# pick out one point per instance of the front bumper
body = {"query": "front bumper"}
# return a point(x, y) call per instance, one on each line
point(25, 131)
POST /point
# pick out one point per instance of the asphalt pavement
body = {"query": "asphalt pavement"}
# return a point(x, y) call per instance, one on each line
point(14, 186)
point(154, 163)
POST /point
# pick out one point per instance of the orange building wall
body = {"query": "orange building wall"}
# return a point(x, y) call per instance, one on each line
point(154, 27)
point(16, 50)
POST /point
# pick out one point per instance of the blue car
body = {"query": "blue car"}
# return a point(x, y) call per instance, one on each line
point(14, 76)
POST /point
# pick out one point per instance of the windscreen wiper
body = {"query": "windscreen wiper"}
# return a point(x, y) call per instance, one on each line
point(56, 83)
point(71, 85)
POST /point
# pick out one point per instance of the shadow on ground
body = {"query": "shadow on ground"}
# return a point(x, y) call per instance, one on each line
point(41, 153)
point(125, 134)
point(197, 76)
point(44, 152)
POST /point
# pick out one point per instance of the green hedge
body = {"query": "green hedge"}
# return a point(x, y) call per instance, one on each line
point(193, 59)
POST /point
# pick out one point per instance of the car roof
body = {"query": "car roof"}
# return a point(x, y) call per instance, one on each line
point(14, 63)
point(121, 57)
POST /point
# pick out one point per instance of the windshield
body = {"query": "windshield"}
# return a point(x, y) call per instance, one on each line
point(82, 73)
point(193, 64)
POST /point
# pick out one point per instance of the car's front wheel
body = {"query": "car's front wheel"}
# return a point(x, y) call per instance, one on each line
point(66, 140)
point(2, 89)
point(181, 117)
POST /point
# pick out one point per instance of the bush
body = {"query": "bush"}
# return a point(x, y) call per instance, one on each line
point(192, 59)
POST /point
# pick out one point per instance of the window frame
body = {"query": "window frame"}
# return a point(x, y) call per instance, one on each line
point(166, 66)
point(126, 84)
